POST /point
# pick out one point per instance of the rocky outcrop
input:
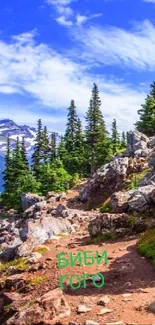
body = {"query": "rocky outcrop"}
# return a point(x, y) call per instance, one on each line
point(137, 144)
point(110, 178)
point(21, 236)
point(49, 308)
point(116, 224)
point(119, 201)
point(29, 199)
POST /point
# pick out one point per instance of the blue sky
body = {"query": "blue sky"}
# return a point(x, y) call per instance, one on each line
point(51, 51)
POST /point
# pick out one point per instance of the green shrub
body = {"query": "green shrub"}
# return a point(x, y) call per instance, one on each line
point(19, 265)
point(75, 179)
point(103, 237)
point(146, 245)
point(106, 208)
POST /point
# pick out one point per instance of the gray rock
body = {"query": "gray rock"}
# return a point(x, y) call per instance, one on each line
point(82, 309)
point(151, 161)
point(103, 301)
point(151, 307)
point(30, 199)
point(151, 142)
point(119, 201)
point(142, 198)
point(38, 231)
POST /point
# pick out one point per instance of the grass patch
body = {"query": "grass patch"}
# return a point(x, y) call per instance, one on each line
point(105, 207)
point(41, 250)
point(101, 238)
point(135, 179)
point(19, 265)
point(146, 245)
point(36, 281)
point(62, 235)
point(132, 221)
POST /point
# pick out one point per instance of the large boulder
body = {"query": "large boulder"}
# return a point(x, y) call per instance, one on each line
point(119, 201)
point(136, 141)
point(142, 198)
point(39, 231)
point(29, 199)
point(110, 178)
point(120, 224)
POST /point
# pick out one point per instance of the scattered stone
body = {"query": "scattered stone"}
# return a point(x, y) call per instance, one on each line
point(91, 322)
point(34, 258)
point(104, 311)
point(30, 199)
point(83, 309)
point(103, 301)
point(126, 295)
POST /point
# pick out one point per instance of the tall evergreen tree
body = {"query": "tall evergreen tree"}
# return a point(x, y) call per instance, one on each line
point(71, 129)
point(53, 147)
point(37, 154)
point(7, 173)
point(115, 137)
point(146, 123)
point(95, 127)
point(24, 155)
point(45, 146)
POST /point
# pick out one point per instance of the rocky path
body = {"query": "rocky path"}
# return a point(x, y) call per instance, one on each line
point(128, 290)
point(129, 283)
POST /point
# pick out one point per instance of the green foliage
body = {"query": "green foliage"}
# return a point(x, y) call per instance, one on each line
point(41, 250)
point(74, 180)
point(115, 139)
point(105, 237)
point(57, 169)
point(54, 177)
point(146, 245)
point(135, 179)
point(132, 221)
point(106, 208)
point(19, 265)
point(96, 133)
point(146, 123)
point(36, 281)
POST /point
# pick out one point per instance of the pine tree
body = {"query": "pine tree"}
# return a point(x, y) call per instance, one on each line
point(71, 128)
point(95, 128)
point(45, 146)
point(37, 154)
point(53, 147)
point(115, 137)
point(17, 177)
point(7, 173)
point(146, 124)
point(24, 155)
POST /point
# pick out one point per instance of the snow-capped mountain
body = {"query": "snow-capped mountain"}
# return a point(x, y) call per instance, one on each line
point(8, 127)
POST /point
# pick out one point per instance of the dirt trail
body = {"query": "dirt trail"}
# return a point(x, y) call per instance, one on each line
point(126, 273)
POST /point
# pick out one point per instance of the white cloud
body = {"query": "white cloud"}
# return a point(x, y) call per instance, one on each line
point(115, 46)
point(63, 21)
point(80, 19)
point(53, 80)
